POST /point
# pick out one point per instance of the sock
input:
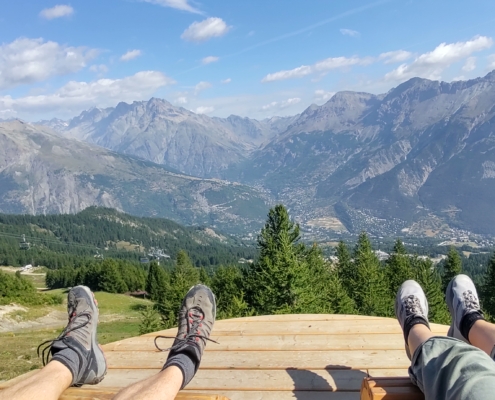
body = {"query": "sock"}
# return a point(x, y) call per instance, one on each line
point(187, 359)
point(414, 321)
point(468, 321)
point(70, 359)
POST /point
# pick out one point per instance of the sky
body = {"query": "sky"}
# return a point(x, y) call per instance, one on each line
point(250, 58)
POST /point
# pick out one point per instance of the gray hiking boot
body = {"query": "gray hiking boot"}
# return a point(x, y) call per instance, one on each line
point(410, 304)
point(196, 318)
point(462, 299)
point(77, 346)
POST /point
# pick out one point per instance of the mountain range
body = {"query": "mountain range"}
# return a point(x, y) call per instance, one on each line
point(42, 172)
point(420, 158)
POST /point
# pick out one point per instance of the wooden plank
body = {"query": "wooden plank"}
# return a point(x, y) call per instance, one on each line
point(259, 328)
point(97, 393)
point(388, 372)
point(356, 359)
point(291, 395)
point(301, 317)
point(382, 341)
point(390, 389)
point(258, 380)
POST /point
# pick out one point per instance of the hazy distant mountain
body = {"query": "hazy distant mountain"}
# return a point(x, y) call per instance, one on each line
point(41, 172)
point(422, 153)
point(157, 131)
point(424, 149)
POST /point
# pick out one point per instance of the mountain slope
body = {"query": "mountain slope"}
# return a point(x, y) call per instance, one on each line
point(41, 173)
point(157, 131)
point(425, 148)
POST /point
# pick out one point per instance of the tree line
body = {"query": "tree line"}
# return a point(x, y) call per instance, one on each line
point(291, 277)
point(58, 241)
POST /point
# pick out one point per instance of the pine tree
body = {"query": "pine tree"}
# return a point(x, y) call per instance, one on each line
point(429, 279)
point(271, 280)
point(452, 267)
point(227, 286)
point(110, 279)
point(182, 278)
point(346, 271)
point(157, 283)
point(371, 291)
point(488, 289)
point(398, 268)
point(150, 321)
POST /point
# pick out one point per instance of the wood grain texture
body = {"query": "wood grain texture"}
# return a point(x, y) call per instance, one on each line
point(275, 357)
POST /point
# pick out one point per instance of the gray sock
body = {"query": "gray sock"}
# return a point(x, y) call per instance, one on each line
point(69, 358)
point(187, 359)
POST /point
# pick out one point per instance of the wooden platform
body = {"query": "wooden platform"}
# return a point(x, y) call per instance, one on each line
point(276, 357)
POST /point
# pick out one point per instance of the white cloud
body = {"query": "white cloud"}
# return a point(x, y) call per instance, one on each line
point(202, 86)
point(74, 97)
point(130, 55)
point(321, 66)
point(204, 110)
point(392, 57)
point(469, 65)
point(322, 95)
point(431, 65)
point(491, 61)
point(99, 69)
point(350, 32)
point(181, 100)
point(209, 60)
point(177, 4)
point(280, 105)
point(226, 81)
point(27, 61)
point(61, 10)
point(251, 33)
point(204, 30)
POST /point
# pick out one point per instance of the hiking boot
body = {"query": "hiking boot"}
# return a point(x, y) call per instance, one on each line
point(77, 346)
point(411, 307)
point(462, 299)
point(196, 318)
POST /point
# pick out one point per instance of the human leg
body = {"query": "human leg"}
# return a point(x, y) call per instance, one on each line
point(76, 356)
point(47, 384)
point(468, 322)
point(443, 368)
point(196, 319)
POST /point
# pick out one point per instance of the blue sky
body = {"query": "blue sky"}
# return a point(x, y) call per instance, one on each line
point(250, 58)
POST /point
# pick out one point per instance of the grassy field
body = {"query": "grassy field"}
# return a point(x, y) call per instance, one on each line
point(119, 319)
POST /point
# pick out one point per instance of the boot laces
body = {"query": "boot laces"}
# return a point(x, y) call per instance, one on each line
point(470, 301)
point(413, 305)
point(195, 318)
point(45, 353)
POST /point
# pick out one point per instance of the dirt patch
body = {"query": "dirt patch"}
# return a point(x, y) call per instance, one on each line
point(54, 319)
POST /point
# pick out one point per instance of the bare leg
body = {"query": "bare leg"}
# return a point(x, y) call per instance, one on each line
point(482, 335)
point(162, 386)
point(48, 384)
point(417, 336)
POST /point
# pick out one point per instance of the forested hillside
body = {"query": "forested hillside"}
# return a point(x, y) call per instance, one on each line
point(57, 241)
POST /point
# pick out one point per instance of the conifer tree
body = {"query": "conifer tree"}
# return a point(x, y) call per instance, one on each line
point(110, 278)
point(429, 279)
point(371, 291)
point(345, 268)
point(271, 280)
point(157, 283)
point(452, 267)
point(488, 289)
point(182, 278)
point(227, 285)
point(398, 268)
point(317, 287)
